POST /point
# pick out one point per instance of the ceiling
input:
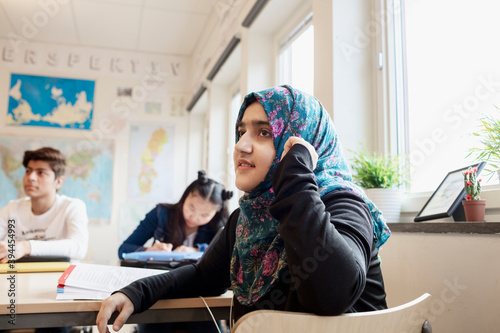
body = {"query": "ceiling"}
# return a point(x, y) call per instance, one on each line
point(159, 26)
point(171, 27)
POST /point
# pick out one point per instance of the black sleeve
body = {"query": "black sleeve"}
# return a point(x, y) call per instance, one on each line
point(209, 277)
point(327, 240)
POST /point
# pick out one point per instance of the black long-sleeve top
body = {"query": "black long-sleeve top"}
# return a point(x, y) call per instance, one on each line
point(333, 264)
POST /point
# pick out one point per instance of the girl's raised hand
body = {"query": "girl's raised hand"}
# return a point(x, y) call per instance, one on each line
point(296, 140)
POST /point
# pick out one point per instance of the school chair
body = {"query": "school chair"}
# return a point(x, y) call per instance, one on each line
point(409, 318)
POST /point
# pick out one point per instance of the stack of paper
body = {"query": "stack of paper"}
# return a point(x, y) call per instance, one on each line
point(89, 281)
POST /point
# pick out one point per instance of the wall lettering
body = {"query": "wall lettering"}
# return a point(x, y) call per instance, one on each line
point(96, 60)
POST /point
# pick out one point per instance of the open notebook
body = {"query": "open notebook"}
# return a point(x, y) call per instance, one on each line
point(163, 259)
point(91, 281)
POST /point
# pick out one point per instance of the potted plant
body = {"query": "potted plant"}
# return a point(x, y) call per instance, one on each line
point(489, 151)
point(380, 177)
point(474, 206)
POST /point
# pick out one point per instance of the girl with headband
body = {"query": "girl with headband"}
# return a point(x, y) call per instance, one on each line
point(188, 225)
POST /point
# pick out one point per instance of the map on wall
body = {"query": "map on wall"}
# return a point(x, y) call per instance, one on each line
point(49, 101)
point(88, 176)
point(151, 163)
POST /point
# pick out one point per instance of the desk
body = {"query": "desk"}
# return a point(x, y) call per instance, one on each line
point(36, 306)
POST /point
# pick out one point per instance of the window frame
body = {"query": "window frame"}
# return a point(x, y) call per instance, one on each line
point(285, 44)
point(291, 28)
point(391, 112)
point(234, 90)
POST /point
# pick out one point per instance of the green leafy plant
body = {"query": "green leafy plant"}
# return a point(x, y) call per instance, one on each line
point(489, 151)
point(372, 170)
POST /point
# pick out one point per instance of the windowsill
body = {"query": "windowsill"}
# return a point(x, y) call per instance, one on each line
point(447, 227)
point(413, 203)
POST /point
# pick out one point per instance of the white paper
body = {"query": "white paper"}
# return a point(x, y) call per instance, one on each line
point(89, 281)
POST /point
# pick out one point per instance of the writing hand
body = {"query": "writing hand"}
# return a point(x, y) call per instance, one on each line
point(183, 248)
point(159, 246)
point(117, 302)
point(296, 140)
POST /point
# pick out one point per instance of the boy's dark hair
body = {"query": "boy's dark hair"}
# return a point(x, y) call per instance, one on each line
point(54, 157)
point(207, 188)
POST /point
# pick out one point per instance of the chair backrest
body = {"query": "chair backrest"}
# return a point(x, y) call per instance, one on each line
point(406, 318)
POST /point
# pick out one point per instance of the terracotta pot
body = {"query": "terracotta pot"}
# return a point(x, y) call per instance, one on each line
point(474, 210)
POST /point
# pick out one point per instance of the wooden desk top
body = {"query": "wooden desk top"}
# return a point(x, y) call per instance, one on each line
point(36, 293)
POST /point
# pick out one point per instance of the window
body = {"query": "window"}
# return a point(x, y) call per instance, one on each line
point(451, 78)
point(296, 58)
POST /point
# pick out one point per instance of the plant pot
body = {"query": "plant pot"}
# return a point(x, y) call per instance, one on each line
point(474, 210)
point(388, 200)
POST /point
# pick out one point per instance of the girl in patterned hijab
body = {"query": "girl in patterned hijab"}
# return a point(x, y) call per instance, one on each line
point(305, 238)
point(259, 257)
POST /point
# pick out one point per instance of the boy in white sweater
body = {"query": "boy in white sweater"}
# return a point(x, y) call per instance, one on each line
point(43, 223)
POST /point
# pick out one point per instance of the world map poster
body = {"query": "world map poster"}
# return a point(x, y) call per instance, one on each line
point(88, 176)
point(49, 101)
point(151, 163)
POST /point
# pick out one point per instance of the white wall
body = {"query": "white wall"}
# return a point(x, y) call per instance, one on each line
point(257, 62)
point(343, 68)
point(217, 140)
point(461, 272)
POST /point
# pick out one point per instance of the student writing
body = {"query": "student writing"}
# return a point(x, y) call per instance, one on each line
point(188, 225)
point(305, 238)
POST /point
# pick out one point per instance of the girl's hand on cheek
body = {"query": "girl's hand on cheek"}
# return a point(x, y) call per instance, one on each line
point(296, 140)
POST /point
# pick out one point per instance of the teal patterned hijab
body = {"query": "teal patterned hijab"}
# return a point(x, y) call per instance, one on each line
point(259, 257)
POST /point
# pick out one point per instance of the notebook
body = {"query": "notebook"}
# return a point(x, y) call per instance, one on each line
point(36, 264)
point(32, 266)
point(44, 259)
point(165, 260)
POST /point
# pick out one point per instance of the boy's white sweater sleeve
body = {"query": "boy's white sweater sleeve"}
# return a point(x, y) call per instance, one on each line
point(75, 245)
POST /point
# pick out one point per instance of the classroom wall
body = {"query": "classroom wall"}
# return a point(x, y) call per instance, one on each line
point(461, 272)
point(113, 117)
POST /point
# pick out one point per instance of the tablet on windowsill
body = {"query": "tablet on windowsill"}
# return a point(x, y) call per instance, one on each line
point(447, 197)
